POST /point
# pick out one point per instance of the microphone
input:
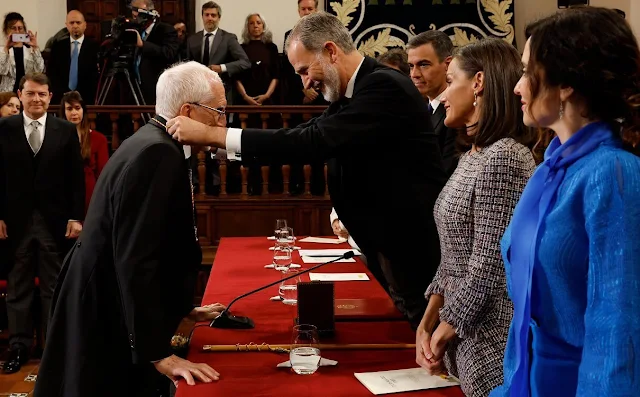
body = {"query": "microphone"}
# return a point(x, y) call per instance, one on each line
point(229, 321)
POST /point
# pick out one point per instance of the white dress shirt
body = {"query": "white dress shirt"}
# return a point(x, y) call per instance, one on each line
point(234, 135)
point(332, 217)
point(210, 38)
point(436, 102)
point(40, 131)
point(79, 40)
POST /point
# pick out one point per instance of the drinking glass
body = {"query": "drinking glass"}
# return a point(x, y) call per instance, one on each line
point(280, 225)
point(290, 237)
point(281, 258)
point(289, 288)
point(283, 238)
point(305, 352)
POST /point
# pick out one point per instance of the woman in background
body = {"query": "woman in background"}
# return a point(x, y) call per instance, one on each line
point(572, 250)
point(464, 329)
point(9, 104)
point(93, 145)
point(18, 58)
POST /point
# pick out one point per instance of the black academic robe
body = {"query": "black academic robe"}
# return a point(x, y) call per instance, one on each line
point(130, 278)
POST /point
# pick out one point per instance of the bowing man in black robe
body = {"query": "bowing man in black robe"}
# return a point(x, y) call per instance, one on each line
point(130, 278)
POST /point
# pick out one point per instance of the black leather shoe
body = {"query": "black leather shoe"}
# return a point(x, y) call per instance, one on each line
point(18, 356)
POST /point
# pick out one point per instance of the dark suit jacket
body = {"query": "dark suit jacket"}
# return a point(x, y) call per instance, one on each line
point(385, 170)
point(225, 49)
point(51, 182)
point(446, 140)
point(160, 50)
point(130, 278)
point(88, 72)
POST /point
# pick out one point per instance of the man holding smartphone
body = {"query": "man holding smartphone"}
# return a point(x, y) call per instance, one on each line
point(21, 45)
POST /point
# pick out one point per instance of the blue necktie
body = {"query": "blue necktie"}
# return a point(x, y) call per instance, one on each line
point(73, 70)
point(139, 57)
point(430, 108)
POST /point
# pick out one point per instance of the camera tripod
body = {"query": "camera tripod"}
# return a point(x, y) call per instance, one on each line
point(120, 72)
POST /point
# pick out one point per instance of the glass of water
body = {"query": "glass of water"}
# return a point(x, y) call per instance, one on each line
point(281, 224)
point(289, 288)
point(305, 351)
point(281, 258)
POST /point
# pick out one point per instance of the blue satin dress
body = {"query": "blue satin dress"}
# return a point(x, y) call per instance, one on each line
point(585, 293)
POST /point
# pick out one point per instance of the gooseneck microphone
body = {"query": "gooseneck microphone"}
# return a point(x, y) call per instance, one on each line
point(229, 321)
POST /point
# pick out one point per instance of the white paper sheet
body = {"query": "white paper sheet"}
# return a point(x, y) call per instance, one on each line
point(323, 240)
point(338, 277)
point(403, 380)
point(316, 259)
point(328, 253)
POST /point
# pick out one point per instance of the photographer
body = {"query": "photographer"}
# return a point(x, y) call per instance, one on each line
point(157, 47)
point(20, 54)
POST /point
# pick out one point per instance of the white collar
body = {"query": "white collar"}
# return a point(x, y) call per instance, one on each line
point(79, 40)
point(150, 28)
point(204, 32)
point(352, 82)
point(436, 102)
point(28, 120)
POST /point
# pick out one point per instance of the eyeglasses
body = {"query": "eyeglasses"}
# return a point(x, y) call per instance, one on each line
point(220, 111)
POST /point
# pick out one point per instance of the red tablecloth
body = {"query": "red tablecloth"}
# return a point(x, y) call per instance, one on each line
point(239, 267)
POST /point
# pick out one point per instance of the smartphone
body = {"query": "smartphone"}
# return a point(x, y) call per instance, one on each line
point(20, 38)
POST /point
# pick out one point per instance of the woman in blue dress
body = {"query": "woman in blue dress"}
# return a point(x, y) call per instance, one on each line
point(572, 250)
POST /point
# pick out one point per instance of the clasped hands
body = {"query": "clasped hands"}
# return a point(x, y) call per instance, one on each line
point(430, 348)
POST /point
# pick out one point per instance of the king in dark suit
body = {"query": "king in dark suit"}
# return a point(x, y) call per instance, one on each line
point(42, 204)
point(73, 63)
point(385, 170)
point(130, 278)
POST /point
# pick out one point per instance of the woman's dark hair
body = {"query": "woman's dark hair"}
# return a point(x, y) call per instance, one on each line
point(5, 97)
point(10, 19)
point(72, 98)
point(593, 51)
point(500, 112)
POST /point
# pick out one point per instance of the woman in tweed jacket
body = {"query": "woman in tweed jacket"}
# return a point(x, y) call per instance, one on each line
point(464, 329)
point(29, 56)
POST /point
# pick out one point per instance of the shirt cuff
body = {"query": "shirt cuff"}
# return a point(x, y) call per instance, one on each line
point(233, 144)
point(223, 67)
point(333, 216)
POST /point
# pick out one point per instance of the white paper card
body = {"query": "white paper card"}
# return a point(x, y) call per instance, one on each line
point(338, 277)
point(323, 240)
point(403, 380)
point(328, 253)
point(316, 259)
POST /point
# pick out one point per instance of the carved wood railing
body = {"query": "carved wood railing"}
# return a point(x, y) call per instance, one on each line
point(282, 115)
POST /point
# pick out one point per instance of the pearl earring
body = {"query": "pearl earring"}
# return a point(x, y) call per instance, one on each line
point(475, 99)
point(561, 110)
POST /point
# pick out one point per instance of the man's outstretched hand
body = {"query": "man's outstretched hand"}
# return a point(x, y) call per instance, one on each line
point(175, 368)
point(190, 132)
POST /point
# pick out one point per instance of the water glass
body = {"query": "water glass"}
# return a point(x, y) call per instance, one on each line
point(283, 239)
point(281, 258)
point(280, 225)
point(289, 288)
point(305, 352)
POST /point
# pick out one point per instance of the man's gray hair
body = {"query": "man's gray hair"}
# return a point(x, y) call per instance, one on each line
point(316, 29)
point(186, 82)
point(440, 41)
point(148, 3)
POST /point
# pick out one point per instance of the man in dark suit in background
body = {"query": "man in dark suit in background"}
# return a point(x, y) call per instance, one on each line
point(130, 279)
point(429, 55)
point(385, 203)
point(73, 64)
point(157, 45)
point(221, 51)
point(42, 205)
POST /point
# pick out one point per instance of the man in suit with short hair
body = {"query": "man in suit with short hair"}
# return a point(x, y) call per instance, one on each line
point(41, 207)
point(216, 48)
point(73, 63)
point(429, 55)
point(360, 123)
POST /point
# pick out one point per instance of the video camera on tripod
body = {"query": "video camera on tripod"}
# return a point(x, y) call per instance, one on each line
point(118, 53)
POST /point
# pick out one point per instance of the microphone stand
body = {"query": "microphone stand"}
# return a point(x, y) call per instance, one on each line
point(229, 321)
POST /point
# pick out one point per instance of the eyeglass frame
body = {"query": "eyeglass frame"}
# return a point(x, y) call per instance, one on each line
point(220, 112)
